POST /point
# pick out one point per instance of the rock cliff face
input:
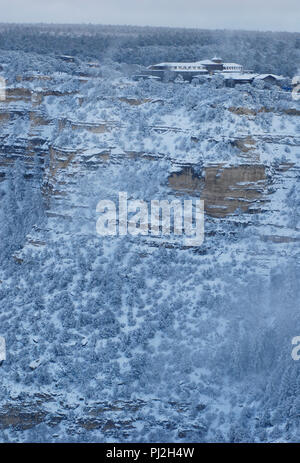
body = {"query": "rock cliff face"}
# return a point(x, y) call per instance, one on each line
point(139, 337)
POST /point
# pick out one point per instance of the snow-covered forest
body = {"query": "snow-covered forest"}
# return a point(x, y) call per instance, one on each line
point(273, 52)
point(138, 338)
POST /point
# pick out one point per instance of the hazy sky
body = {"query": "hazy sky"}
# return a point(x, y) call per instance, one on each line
point(274, 15)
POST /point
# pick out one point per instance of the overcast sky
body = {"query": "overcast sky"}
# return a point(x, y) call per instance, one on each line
point(282, 15)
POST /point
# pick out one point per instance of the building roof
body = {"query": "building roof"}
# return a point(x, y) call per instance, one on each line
point(238, 76)
point(201, 63)
point(205, 61)
point(264, 76)
point(204, 71)
point(177, 64)
point(231, 64)
point(146, 76)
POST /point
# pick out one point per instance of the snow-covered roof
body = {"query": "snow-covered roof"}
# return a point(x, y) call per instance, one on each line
point(202, 63)
point(146, 76)
point(195, 63)
point(263, 76)
point(231, 64)
point(204, 71)
point(205, 61)
point(178, 64)
point(238, 76)
point(181, 71)
point(66, 56)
